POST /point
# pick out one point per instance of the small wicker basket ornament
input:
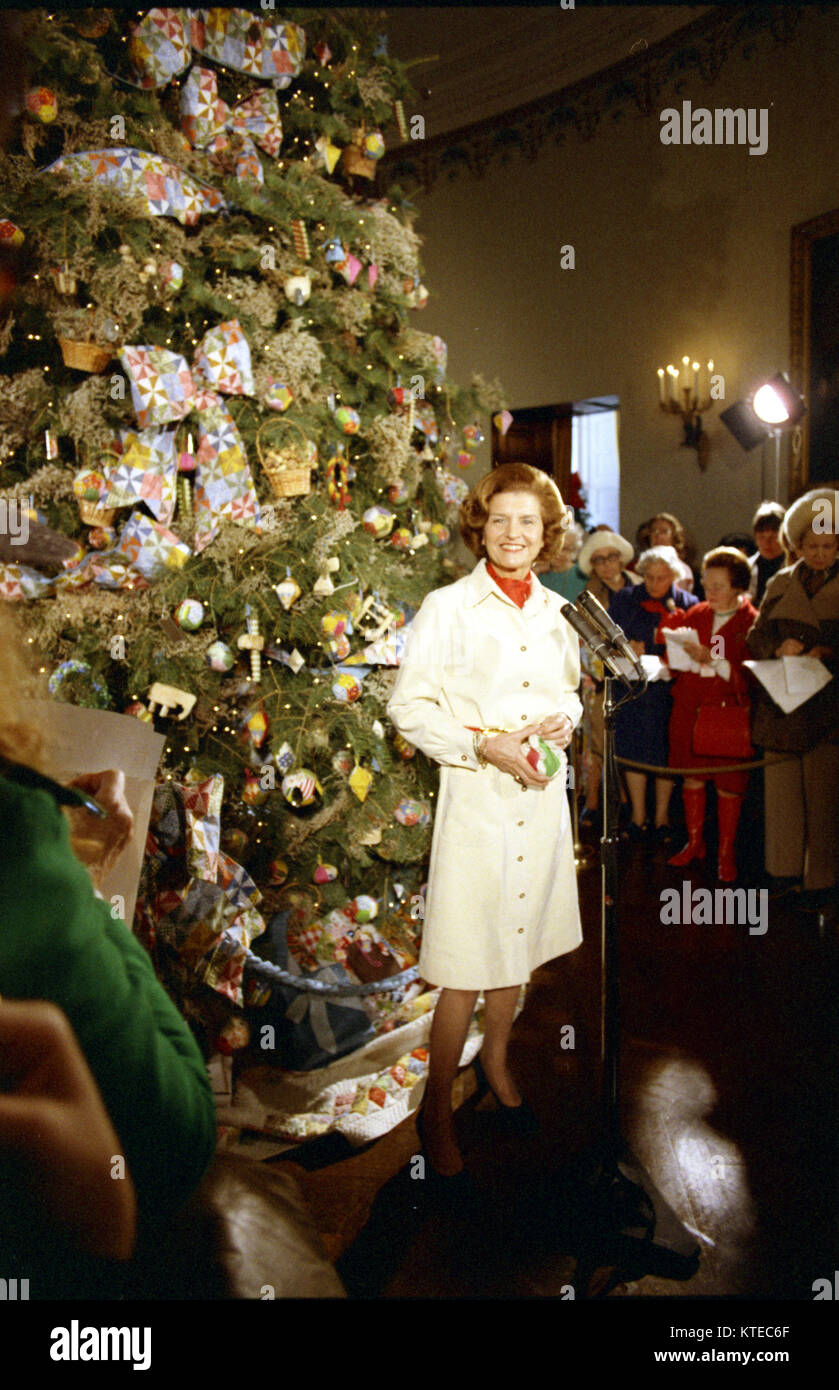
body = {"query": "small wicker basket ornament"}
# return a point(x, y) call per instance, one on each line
point(354, 159)
point(85, 357)
point(89, 487)
point(288, 467)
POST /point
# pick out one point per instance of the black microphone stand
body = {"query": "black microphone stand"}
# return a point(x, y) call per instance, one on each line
point(624, 1216)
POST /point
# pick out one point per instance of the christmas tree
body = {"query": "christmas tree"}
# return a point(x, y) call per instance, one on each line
point(212, 386)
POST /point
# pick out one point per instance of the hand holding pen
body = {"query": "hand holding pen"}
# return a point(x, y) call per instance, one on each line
point(99, 843)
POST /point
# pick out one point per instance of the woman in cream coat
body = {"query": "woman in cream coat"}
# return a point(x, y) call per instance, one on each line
point(490, 660)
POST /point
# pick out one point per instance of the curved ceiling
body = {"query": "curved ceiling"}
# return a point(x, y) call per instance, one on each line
point(486, 60)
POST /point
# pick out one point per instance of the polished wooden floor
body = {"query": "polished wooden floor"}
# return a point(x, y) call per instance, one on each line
point(728, 1099)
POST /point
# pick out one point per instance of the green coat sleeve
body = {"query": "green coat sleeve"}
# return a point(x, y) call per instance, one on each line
point(59, 942)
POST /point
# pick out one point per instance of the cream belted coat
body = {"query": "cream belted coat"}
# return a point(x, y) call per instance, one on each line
point(502, 887)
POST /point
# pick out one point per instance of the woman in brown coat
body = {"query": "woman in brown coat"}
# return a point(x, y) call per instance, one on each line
point(799, 616)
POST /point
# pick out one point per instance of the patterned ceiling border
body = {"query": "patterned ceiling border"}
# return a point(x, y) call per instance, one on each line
point(633, 84)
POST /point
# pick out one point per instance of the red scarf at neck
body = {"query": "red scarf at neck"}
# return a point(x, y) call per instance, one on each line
point(516, 589)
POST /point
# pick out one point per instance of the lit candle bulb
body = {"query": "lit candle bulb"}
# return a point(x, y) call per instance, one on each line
point(661, 385)
point(695, 369)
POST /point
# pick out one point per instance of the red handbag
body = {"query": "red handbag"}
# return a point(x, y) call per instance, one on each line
point(723, 731)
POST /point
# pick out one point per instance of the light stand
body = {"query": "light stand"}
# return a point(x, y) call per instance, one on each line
point(622, 1214)
point(582, 853)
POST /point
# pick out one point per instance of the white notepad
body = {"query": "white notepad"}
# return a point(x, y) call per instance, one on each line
point(791, 680)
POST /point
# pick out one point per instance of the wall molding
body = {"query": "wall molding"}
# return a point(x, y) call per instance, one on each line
point(632, 86)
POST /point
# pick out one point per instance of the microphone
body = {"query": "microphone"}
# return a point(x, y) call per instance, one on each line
point(594, 610)
point(598, 644)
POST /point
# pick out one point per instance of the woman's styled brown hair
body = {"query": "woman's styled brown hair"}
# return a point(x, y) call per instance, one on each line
point(516, 477)
point(725, 557)
point(679, 543)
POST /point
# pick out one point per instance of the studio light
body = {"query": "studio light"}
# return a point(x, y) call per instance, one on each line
point(742, 422)
point(777, 402)
point(773, 407)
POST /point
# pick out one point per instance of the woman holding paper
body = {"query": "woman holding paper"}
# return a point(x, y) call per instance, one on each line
point(799, 617)
point(715, 682)
point(641, 726)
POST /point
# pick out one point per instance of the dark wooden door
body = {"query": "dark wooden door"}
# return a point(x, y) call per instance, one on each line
point(540, 436)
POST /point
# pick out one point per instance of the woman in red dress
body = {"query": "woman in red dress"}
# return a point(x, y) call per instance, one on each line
point(721, 624)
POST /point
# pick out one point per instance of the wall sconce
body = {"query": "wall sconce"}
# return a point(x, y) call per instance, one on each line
point(683, 393)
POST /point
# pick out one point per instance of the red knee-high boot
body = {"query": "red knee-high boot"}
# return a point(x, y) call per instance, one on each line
point(694, 803)
point(728, 814)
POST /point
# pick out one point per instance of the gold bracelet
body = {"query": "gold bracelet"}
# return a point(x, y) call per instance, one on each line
point(478, 741)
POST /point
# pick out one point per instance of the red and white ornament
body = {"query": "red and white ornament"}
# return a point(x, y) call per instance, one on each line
point(301, 788)
point(42, 104)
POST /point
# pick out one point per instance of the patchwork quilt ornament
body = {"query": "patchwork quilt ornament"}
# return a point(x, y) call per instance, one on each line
point(224, 485)
point(167, 190)
point(146, 472)
point(210, 124)
point(211, 919)
point(150, 549)
point(165, 390)
point(223, 360)
point(162, 43)
point(162, 386)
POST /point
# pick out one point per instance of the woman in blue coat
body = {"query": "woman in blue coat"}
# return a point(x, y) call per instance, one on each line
point(641, 726)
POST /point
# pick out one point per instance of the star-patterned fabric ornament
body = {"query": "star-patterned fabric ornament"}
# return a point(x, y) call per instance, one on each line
point(146, 472)
point(211, 920)
point(167, 190)
point(150, 548)
point(20, 581)
point(159, 47)
point(223, 360)
point(165, 390)
point(224, 485)
point(209, 123)
point(238, 39)
point(202, 817)
point(162, 385)
point(162, 42)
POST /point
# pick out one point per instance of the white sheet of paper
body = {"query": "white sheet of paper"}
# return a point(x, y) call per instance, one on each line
point(677, 657)
point(655, 668)
point(805, 675)
point(94, 740)
point(791, 680)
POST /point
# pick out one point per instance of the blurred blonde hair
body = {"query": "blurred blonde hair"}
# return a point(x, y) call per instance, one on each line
point(22, 736)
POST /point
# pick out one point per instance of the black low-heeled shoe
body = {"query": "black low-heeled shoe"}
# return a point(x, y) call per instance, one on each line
point(516, 1119)
point(456, 1191)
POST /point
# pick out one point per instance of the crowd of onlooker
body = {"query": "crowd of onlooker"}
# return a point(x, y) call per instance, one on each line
point(761, 597)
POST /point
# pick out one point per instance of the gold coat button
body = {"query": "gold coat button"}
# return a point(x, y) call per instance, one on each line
point(521, 895)
point(521, 822)
point(525, 683)
point(520, 857)
point(521, 931)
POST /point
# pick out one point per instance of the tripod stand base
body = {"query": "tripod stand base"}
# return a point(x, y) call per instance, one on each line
point(622, 1216)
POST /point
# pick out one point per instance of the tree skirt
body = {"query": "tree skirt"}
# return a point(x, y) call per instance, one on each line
point(361, 1096)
